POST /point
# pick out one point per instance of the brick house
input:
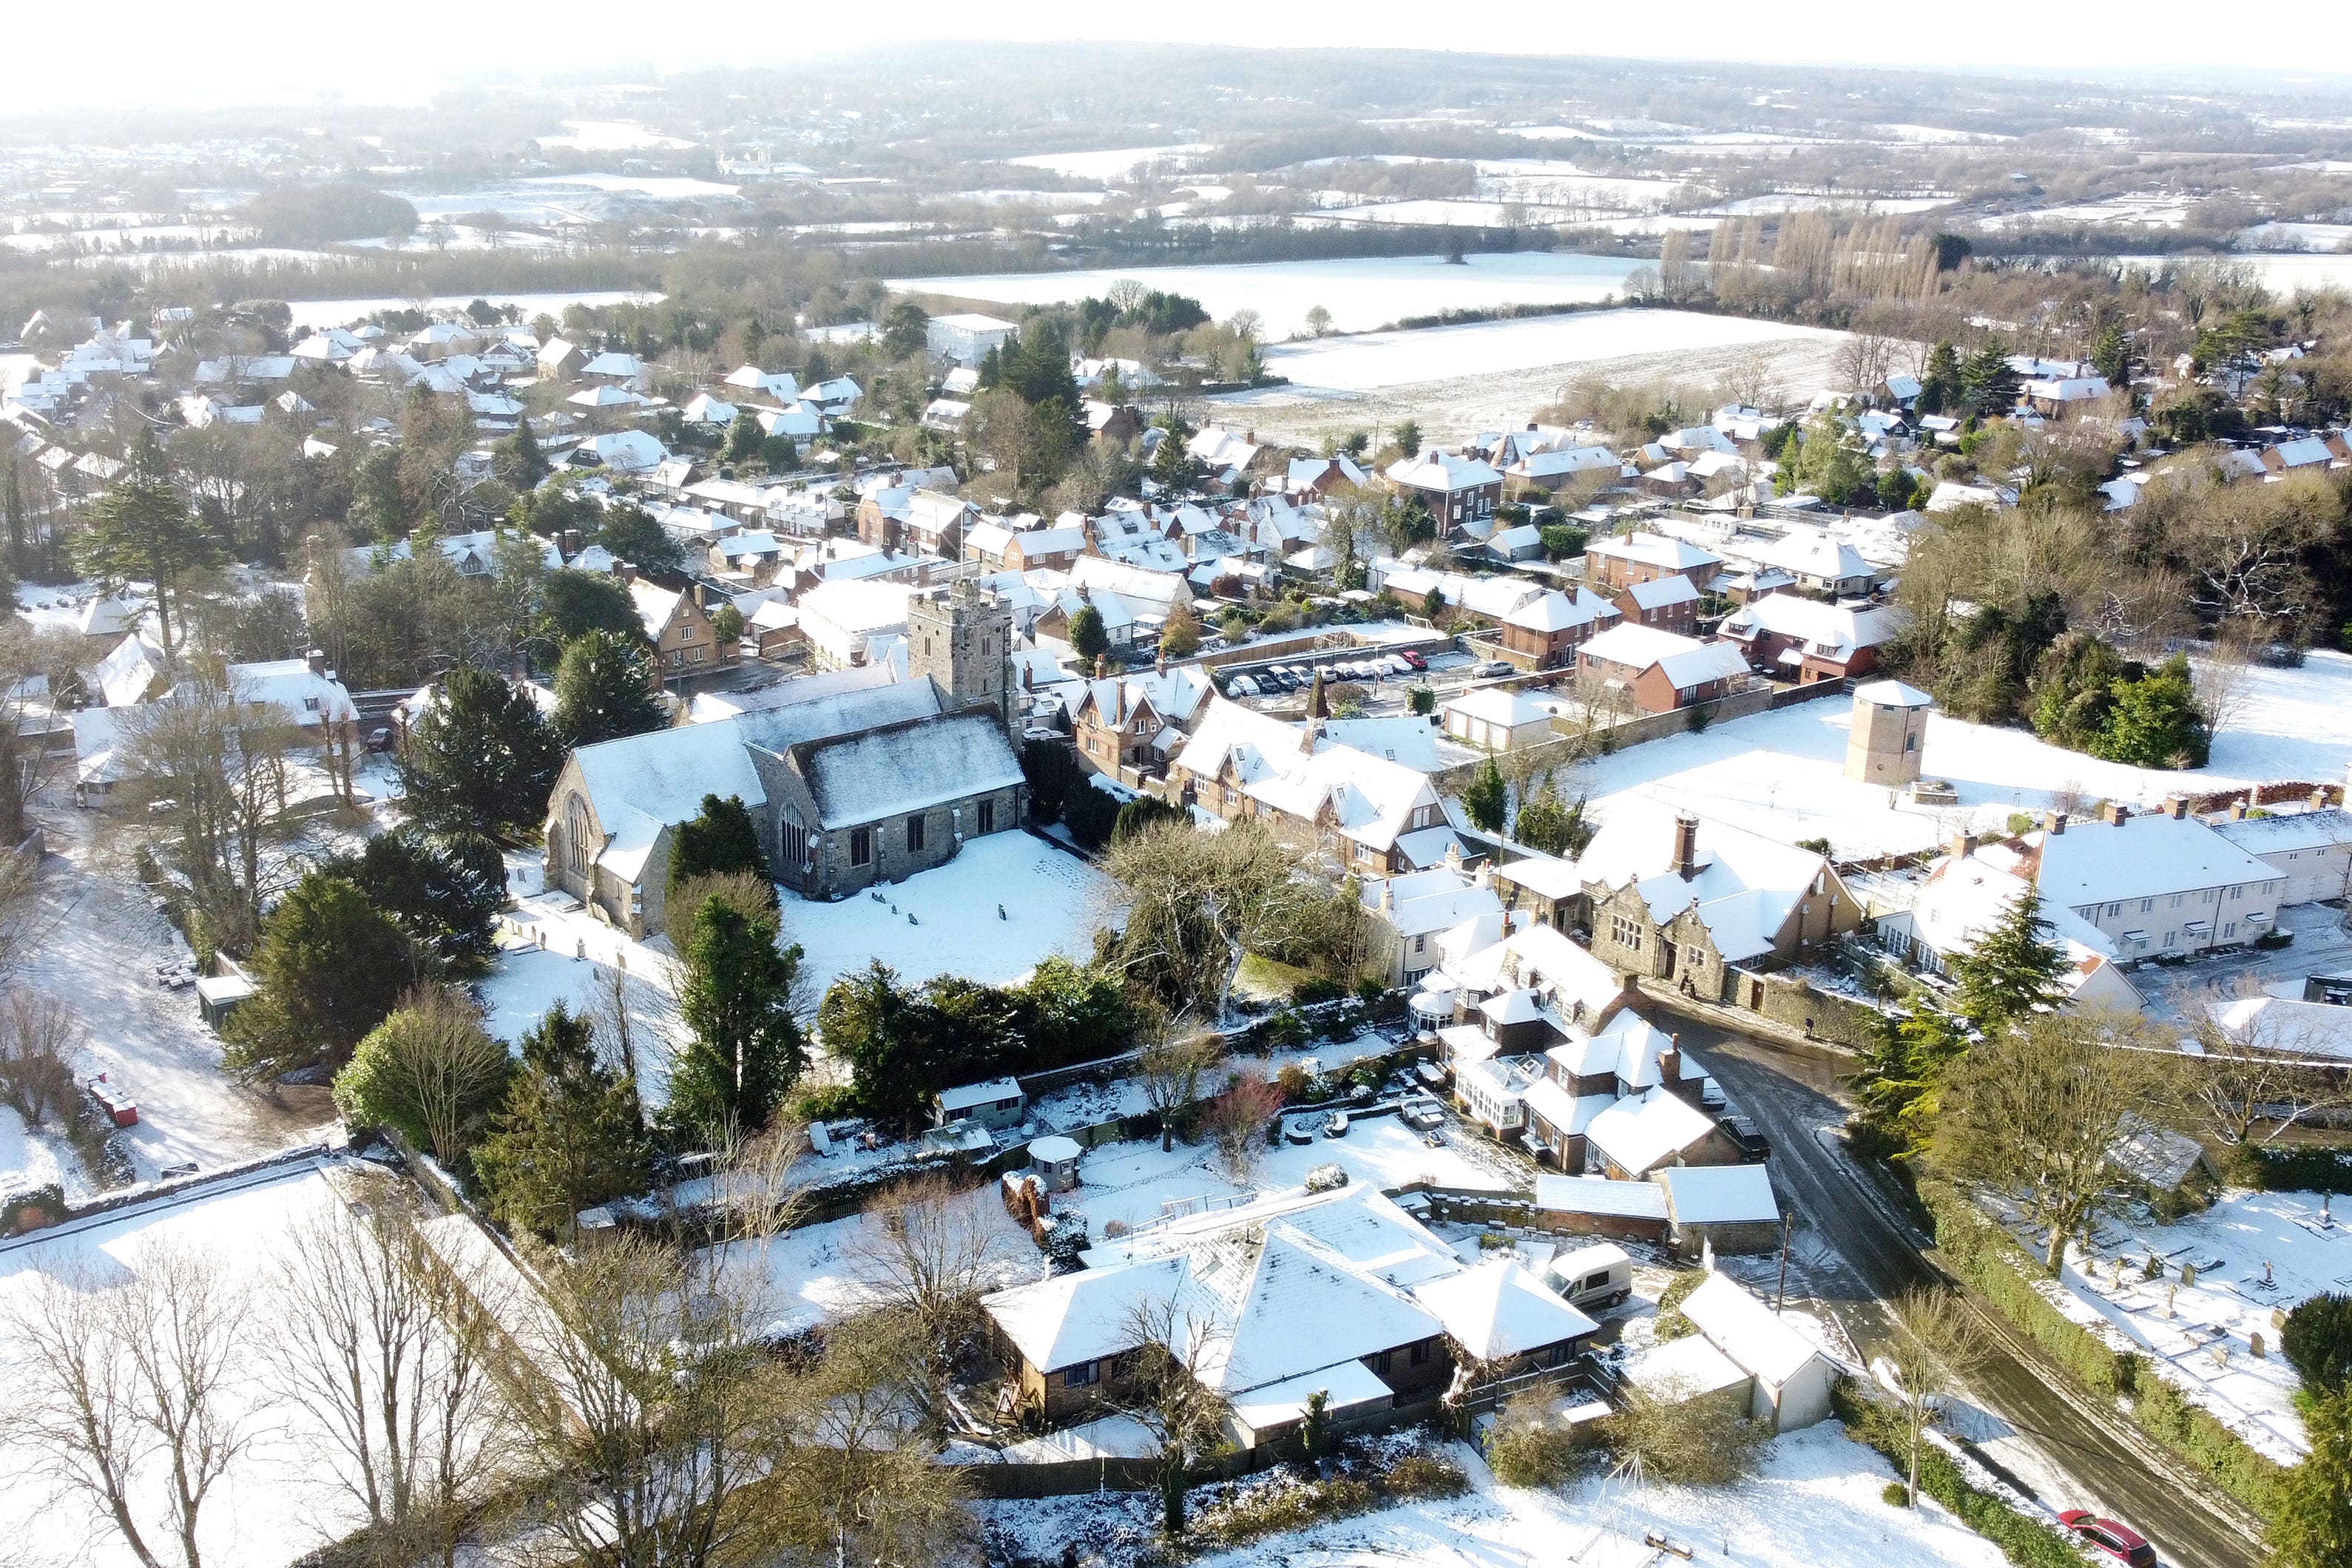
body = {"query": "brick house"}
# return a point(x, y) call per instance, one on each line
point(1791, 637)
point(1545, 631)
point(1460, 492)
point(1612, 564)
point(685, 644)
point(1657, 670)
point(1669, 604)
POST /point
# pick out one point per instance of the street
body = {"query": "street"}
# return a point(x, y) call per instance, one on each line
point(1790, 1094)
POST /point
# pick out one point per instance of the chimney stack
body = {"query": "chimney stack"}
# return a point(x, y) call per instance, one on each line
point(2114, 813)
point(2319, 797)
point(2177, 808)
point(2237, 811)
point(1963, 845)
point(317, 660)
point(2053, 823)
point(1686, 846)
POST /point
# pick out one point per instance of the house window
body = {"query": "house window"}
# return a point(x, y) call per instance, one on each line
point(1421, 1354)
point(2147, 905)
point(1626, 933)
point(1381, 1359)
point(2113, 910)
point(2231, 929)
point(861, 846)
point(988, 817)
point(1083, 1375)
point(914, 833)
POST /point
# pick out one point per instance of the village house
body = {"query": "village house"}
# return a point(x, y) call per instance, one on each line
point(2312, 848)
point(1614, 564)
point(1339, 1293)
point(1791, 637)
point(1411, 913)
point(1544, 632)
point(1376, 815)
point(2151, 883)
point(1460, 492)
point(685, 645)
point(1669, 604)
point(998, 547)
point(1705, 906)
point(1657, 672)
point(1965, 896)
point(1137, 721)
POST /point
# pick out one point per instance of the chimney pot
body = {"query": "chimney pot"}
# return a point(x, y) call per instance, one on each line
point(2319, 797)
point(2237, 811)
point(1686, 846)
point(317, 660)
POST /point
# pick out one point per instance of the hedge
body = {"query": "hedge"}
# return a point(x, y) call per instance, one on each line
point(2024, 1540)
point(1990, 1260)
point(2299, 1168)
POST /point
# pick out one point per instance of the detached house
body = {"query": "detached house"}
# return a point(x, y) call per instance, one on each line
point(684, 641)
point(1381, 817)
point(1460, 492)
point(1612, 564)
point(1545, 631)
point(1790, 638)
point(1137, 721)
point(1658, 671)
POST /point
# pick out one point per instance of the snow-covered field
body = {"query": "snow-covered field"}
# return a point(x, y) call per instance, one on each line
point(611, 136)
point(1111, 163)
point(36, 1157)
point(273, 1504)
point(1332, 366)
point(1782, 773)
point(2258, 1255)
point(1361, 293)
point(1814, 1504)
point(945, 921)
point(2282, 273)
point(339, 312)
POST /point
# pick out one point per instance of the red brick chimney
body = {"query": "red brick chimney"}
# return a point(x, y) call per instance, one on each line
point(1686, 846)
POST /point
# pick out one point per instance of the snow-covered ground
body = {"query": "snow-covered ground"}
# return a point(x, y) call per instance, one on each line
point(946, 922)
point(1111, 163)
point(2258, 1255)
point(821, 1271)
point(97, 950)
point(1782, 773)
point(33, 1156)
point(1815, 1502)
point(273, 1504)
point(1361, 293)
point(343, 312)
point(1331, 366)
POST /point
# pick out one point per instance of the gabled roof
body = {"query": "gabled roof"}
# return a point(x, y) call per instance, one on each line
point(1640, 1133)
point(1498, 1310)
point(2096, 862)
point(1554, 611)
point(640, 785)
point(1686, 662)
point(1656, 550)
point(1736, 1323)
point(906, 767)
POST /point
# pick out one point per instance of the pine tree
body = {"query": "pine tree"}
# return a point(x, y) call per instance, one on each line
point(520, 463)
point(1488, 799)
point(736, 997)
point(742, 438)
point(2013, 969)
point(330, 966)
point(143, 529)
point(1087, 639)
point(568, 1134)
point(2111, 357)
point(1939, 383)
point(720, 838)
point(1989, 386)
point(1901, 1076)
point(604, 689)
point(443, 890)
point(481, 760)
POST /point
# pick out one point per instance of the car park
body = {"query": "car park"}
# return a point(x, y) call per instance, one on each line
point(2108, 1539)
point(1414, 661)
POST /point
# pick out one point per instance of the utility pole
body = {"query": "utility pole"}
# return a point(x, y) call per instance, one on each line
point(1780, 1295)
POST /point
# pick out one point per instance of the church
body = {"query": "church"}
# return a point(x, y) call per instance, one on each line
point(852, 777)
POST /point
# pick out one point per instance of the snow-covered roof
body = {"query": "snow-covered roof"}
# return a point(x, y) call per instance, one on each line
point(1831, 631)
point(1738, 1322)
point(1499, 705)
point(1656, 550)
point(1892, 694)
point(2289, 833)
point(1718, 1194)
point(2284, 1024)
point(1640, 1133)
point(1553, 611)
point(1443, 471)
point(640, 785)
point(965, 1096)
point(1685, 661)
point(1498, 1310)
point(1684, 1368)
point(908, 767)
point(1659, 593)
point(1743, 883)
point(1964, 899)
point(307, 697)
point(2098, 862)
point(1600, 1195)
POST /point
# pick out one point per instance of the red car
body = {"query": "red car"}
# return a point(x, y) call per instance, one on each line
point(2108, 1538)
point(1413, 658)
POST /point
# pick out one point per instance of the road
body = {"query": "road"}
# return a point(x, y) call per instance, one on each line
point(1790, 1094)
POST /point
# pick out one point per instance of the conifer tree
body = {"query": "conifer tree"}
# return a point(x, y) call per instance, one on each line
point(480, 760)
point(2012, 971)
point(1488, 799)
point(735, 995)
point(567, 1136)
point(604, 689)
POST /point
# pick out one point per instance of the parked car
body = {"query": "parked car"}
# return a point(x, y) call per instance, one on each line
point(380, 737)
point(2108, 1539)
point(1335, 1125)
point(1241, 686)
point(1490, 669)
point(1414, 661)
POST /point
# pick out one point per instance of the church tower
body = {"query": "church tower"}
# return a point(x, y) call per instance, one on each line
point(961, 637)
point(1890, 730)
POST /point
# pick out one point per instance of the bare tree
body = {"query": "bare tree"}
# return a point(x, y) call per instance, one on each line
point(1864, 360)
point(2034, 1113)
point(40, 1053)
point(1937, 1343)
point(123, 1393)
point(927, 1252)
point(1172, 1065)
point(2220, 681)
point(1237, 1118)
point(371, 1337)
point(35, 667)
point(1168, 1393)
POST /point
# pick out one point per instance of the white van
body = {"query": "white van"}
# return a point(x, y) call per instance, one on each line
point(1595, 1277)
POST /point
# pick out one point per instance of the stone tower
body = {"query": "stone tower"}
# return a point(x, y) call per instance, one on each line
point(1890, 730)
point(961, 636)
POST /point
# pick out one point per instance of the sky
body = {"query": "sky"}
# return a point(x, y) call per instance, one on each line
point(277, 51)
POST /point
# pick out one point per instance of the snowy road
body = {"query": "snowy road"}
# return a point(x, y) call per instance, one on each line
point(2051, 1441)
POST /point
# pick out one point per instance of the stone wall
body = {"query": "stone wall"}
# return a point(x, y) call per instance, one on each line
point(1567, 750)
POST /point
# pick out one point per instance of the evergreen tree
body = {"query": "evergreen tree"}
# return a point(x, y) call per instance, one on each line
point(1038, 367)
point(1173, 467)
point(735, 995)
point(744, 438)
point(604, 688)
point(2318, 1342)
point(991, 370)
point(143, 529)
point(566, 1137)
point(872, 1023)
point(1901, 1075)
point(631, 534)
point(480, 760)
point(330, 967)
point(1087, 639)
point(1551, 826)
point(572, 604)
point(1989, 386)
point(519, 460)
point(2311, 1516)
point(1180, 634)
point(1487, 800)
point(1408, 438)
point(720, 838)
point(2111, 357)
point(2012, 971)
point(1939, 383)
point(781, 454)
point(2156, 722)
point(443, 890)
point(2074, 690)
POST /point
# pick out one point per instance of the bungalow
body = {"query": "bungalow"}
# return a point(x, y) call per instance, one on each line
point(1658, 670)
point(996, 1105)
point(1792, 1378)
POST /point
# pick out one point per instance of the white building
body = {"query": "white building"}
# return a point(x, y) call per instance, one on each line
point(966, 338)
point(2151, 884)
